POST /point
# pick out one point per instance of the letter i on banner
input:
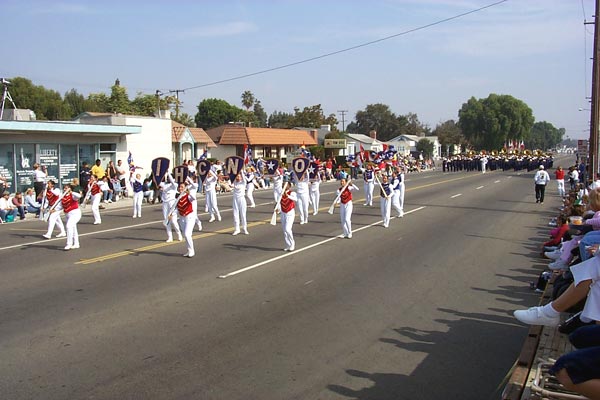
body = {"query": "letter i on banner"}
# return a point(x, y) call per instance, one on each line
point(160, 166)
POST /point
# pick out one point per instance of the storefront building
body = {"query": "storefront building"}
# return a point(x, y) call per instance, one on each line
point(61, 147)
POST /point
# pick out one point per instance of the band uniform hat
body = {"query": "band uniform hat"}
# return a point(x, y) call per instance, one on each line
point(541, 167)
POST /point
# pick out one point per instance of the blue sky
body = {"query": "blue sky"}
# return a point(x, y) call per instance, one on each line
point(535, 50)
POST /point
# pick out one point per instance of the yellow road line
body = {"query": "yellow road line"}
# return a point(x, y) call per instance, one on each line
point(155, 246)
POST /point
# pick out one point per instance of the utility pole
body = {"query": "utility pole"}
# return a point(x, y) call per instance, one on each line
point(177, 91)
point(343, 112)
point(158, 94)
point(595, 113)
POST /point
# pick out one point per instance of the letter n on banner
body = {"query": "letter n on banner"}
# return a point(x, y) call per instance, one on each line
point(233, 166)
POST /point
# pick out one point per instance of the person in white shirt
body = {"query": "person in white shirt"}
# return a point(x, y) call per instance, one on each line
point(573, 178)
point(169, 207)
point(303, 197)
point(39, 179)
point(6, 207)
point(210, 183)
point(541, 179)
point(250, 181)
point(596, 184)
point(240, 206)
point(122, 173)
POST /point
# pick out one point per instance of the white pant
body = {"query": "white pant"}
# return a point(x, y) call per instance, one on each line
point(369, 186)
point(138, 198)
point(287, 221)
point(396, 201)
point(187, 226)
point(211, 204)
point(386, 210)
point(346, 218)
point(249, 194)
point(561, 187)
point(73, 218)
point(302, 204)
point(172, 223)
point(96, 198)
point(54, 219)
point(239, 212)
point(315, 196)
point(277, 191)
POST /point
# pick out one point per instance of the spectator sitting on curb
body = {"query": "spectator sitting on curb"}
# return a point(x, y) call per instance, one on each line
point(6, 208)
point(17, 202)
point(31, 204)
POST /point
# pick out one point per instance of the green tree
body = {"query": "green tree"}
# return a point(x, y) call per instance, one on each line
point(119, 99)
point(411, 125)
point(448, 134)
point(280, 120)
point(75, 102)
point(248, 99)
point(317, 151)
point(425, 146)
point(377, 117)
point(259, 114)
point(184, 119)
point(543, 136)
point(313, 117)
point(215, 112)
point(489, 123)
point(98, 102)
point(47, 104)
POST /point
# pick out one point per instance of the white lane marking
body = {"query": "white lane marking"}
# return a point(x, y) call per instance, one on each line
point(270, 260)
point(508, 177)
point(455, 196)
point(497, 181)
point(479, 187)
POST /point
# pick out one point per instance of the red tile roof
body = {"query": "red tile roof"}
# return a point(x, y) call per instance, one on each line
point(198, 134)
point(239, 135)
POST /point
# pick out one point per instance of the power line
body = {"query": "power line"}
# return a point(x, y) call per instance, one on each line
point(307, 60)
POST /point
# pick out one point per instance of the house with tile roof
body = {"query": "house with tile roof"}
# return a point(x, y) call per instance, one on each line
point(189, 143)
point(264, 142)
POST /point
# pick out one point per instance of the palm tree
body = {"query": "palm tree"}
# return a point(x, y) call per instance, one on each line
point(247, 99)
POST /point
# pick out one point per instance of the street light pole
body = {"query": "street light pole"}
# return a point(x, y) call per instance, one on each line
point(593, 150)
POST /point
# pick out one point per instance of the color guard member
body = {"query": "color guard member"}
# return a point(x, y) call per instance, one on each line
point(138, 194)
point(346, 207)
point(286, 206)
point(169, 194)
point(54, 207)
point(70, 204)
point(187, 217)
point(239, 204)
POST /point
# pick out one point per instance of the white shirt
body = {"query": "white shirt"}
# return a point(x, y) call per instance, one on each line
point(39, 175)
point(541, 177)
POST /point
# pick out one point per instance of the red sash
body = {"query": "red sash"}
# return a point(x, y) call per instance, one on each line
point(51, 197)
point(287, 204)
point(346, 196)
point(95, 189)
point(69, 204)
point(184, 205)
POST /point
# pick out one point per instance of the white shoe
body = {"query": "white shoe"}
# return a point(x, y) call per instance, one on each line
point(558, 265)
point(292, 248)
point(302, 222)
point(401, 215)
point(315, 213)
point(97, 223)
point(67, 247)
point(48, 236)
point(386, 225)
point(186, 254)
point(349, 236)
point(169, 240)
point(180, 238)
point(246, 232)
point(286, 249)
point(62, 234)
point(191, 255)
point(110, 201)
point(536, 316)
point(219, 217)
point(75, 246)
point(212, 218)
point(553, 255)
point(135, 216)
point(200, 227)
point(236, 232)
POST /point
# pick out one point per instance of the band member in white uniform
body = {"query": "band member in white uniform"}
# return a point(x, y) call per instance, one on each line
point(315, 193)
point(192, 182)
point(401, 190)
point(286, 206)
point(303, 195)
point(187, 217)
point(369, 177)
point(346, 207)
point(250, 179)
point(239, 204)
point(53, 205)
point(96, 198)
point(70, 203)
point(277, 183)
point(138, 194)
point(385, 193)
point(395, 185)
point(169, 191)
point(210, 184)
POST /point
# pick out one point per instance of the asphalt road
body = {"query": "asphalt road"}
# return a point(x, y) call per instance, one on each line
point(420, 310)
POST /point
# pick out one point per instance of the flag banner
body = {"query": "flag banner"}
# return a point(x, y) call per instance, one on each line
point(160, 166)
point(202, 156)
point(272, 165)
point(350, 158)
point(203, 167)
point(248, 155)
point(307, 154)
point(232, 166)
point(130, 162)
point(300, 165)
point(313, 170)
point(181, 173)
